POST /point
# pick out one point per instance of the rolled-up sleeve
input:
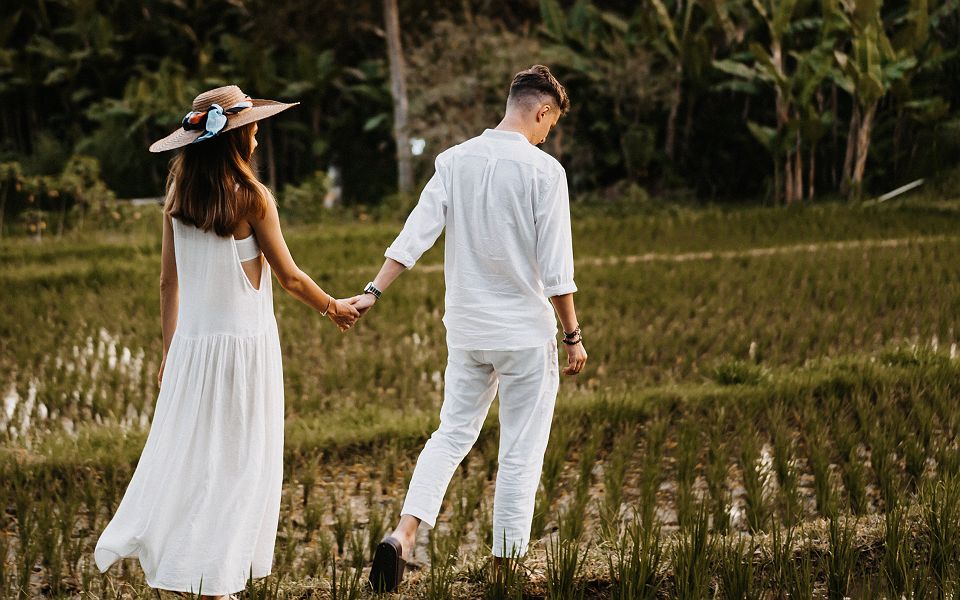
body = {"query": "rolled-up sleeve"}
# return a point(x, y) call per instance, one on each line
point(425, 222)
point(554, 238)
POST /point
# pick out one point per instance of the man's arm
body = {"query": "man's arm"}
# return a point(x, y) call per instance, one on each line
point(390, 270)
point(419, 234)
point(576, 353)
point(555, 259)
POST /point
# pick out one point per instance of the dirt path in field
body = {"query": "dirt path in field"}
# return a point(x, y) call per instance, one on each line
point(768, 251)
point(650, 257)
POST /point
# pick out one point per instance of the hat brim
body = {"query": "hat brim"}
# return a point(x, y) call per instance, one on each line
point(261, 109)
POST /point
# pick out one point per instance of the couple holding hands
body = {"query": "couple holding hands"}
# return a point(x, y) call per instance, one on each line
point(202, 508)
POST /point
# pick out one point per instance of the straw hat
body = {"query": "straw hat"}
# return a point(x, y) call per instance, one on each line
point(216, 111)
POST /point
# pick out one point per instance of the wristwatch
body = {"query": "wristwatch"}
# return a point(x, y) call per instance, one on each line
point(372, 289)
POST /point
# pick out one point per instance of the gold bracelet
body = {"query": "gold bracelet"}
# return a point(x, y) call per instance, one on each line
point(329, 300)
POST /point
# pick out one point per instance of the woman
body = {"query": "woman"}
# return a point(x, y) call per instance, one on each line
point(202, 508)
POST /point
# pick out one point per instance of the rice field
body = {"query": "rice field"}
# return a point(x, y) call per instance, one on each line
point(769, 411)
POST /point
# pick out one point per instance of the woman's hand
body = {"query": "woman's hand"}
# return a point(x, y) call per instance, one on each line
point(342, 314)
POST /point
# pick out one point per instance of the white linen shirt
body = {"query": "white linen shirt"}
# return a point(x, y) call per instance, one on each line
point(508, 245)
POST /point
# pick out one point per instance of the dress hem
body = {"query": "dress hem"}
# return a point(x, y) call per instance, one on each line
point(170, 587)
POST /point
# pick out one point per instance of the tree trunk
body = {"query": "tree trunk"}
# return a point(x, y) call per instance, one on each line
point(836, 136)
point(812, 174)
point(863, 148)
point(776, 180)
point(675, 98)
point(788, 179)
point(398, 89)
point(851, 150)
point(798, 176)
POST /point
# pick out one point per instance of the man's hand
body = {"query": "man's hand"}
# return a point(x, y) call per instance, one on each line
point(342, 314)
point(576, 358)
point(363, 302)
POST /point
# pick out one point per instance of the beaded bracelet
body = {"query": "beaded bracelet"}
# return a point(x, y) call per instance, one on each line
point(573, 338)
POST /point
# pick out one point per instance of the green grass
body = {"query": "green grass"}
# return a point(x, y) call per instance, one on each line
point(707, 357)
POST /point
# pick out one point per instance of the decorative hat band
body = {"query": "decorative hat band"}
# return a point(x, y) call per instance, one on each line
point(212, 120)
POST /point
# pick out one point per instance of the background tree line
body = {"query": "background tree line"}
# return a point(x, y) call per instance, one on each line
point(777, 100)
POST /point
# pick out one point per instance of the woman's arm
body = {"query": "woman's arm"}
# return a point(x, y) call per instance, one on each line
point(291, 278)
point(169, 290)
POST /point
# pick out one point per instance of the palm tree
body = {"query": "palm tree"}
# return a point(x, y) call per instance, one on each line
point(686, 47)
point(795, 75)
point(869, 67)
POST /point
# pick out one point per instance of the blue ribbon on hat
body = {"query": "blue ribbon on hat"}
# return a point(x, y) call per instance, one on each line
point(213, 120)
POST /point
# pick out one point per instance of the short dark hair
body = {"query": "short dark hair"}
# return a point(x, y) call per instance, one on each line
point(539, 80)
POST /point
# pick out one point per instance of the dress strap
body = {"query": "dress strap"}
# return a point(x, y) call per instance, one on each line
point(247, 248)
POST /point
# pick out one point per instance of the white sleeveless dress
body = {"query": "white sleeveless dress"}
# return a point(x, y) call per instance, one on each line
point(204, 500)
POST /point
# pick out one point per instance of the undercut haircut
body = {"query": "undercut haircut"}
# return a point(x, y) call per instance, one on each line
point(536, 82)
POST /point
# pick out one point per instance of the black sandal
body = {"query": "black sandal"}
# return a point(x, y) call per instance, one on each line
point(388, 565)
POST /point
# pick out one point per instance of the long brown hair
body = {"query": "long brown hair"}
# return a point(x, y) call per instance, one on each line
point(212, 184)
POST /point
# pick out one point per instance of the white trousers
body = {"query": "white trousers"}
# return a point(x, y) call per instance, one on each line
point(528, 380)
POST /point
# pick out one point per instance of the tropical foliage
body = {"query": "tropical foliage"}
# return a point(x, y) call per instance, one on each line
point(786, 100)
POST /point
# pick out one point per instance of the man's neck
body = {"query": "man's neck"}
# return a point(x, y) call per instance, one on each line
point(513, 124)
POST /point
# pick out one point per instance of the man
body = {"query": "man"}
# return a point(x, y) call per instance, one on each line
point(508, 249)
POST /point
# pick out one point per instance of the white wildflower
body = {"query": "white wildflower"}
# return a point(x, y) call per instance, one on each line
point(27, 411)
point(765, 463)
point(10, 400)
point(736, 513)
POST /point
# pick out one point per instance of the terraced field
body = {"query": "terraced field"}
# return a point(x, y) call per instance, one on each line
point(769, 411)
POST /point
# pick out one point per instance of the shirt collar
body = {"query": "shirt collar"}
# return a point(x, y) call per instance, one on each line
point(500, 134)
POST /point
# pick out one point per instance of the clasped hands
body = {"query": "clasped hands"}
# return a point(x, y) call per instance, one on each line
point(345, 312)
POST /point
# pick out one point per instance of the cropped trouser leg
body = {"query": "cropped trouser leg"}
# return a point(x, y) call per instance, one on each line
point(469, 388)
point(528, 389)
point(528, 381)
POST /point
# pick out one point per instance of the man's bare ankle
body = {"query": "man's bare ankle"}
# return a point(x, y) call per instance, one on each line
point(407, 541)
